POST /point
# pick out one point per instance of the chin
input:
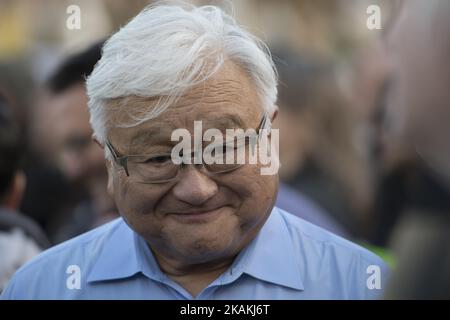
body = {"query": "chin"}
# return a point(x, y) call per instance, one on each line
point(205, 249)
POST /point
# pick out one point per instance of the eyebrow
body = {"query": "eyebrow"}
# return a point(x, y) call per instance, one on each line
point(156, 136)
point(230, 121)
point(161, 135)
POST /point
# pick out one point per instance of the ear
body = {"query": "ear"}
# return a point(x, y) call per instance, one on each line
point(274, 114)
point(94, 138)
point(109, 168)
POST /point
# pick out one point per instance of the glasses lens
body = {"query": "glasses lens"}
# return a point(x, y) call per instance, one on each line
point(152, 169)
point(229, 157)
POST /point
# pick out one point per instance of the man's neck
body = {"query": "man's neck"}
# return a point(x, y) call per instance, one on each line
point(192, 277)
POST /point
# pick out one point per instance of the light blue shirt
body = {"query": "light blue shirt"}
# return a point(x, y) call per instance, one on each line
point(288, 259)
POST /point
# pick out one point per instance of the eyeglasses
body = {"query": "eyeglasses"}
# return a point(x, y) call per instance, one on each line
point(160, 168)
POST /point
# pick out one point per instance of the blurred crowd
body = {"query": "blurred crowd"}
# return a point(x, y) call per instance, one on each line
point(363, 118)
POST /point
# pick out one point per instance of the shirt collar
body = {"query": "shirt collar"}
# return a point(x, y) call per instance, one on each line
point(270, 256)
point(119, 257)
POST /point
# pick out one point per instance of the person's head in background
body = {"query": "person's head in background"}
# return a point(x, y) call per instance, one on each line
point(317, 133)
point(12, 179)
point(419, 97)
point(67, 117)
point(64, 133)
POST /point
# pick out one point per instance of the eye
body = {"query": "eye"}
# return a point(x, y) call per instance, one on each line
point(227, 148)
point(240, 143)
point(158, 159)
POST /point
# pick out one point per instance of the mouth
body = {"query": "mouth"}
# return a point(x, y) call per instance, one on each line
point(198, 215)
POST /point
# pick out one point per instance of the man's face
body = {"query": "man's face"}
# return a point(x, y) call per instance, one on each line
point(234, 205)
point(78, 157)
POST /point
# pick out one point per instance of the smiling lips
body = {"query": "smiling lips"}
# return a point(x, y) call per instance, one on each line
point(198, 214)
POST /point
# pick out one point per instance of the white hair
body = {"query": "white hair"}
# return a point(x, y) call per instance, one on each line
point(165, 50)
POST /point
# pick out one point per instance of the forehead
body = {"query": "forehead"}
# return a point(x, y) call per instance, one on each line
point(226, 100)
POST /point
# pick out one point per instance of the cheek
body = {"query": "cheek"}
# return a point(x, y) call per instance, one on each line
point(266, 189)
point(134, 199)
point(257, 192)
point(136, 204)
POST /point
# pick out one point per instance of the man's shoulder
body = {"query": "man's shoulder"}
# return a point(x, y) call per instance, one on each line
point(308, 233)
point(79, 252)
point(326, 260)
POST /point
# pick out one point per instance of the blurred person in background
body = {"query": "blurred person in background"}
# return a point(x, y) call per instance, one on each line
point(20, 237)
point(390, 160)
point(318, 149)
point(304, 207)
point(62, 137)
point(418, 108)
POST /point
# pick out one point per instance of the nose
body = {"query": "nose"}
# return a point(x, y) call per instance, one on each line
point(194, 187)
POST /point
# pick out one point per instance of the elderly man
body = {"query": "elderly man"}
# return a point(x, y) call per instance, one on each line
point(192, 229)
